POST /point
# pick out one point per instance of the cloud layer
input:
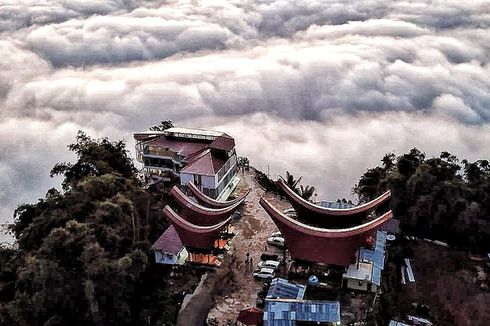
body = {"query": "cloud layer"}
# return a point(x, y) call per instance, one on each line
point(321, 88)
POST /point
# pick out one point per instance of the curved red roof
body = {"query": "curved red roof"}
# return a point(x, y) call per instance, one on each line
point(330, 217)
point(213, 203)
point(191, 235)
point(314, 244)
point(200, 215)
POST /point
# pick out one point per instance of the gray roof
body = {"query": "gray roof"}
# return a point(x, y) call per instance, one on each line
point(281, 288)
point(410, 275)
point(396, 323)
point(282, 311)
point(335, 205)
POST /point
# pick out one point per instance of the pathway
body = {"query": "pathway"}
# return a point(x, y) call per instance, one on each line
point(253, 229)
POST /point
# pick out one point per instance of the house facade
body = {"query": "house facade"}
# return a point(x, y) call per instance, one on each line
point(181, 155)
point(168, 248)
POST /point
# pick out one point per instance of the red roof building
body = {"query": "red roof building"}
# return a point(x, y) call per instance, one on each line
point(204, 164)
point(210, 202)
point(320, 245)
point(205, 157)
point(168, 248)
point(313, 214)
point(199, 215)
point(192, 235)
point(223, 142)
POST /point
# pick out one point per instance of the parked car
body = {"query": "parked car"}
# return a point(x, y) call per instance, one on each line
point(272, 264)
point(270, 256)
point(277, 242)
point(276, 234)
point(291, 212)
point(264, 273)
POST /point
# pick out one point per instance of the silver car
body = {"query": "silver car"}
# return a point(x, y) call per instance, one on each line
point(277, 242)
point(272, 264)
point(264, 273)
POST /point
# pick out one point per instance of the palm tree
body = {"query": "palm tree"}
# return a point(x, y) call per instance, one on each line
point(307, 192)
point(292, 183)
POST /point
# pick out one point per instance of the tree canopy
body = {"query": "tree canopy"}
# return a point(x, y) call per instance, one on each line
point(83, 254)
point(435, 197)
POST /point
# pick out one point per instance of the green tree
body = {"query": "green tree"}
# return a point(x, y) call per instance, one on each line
point(307, 192)
point(83, 255)
point(434, 197)
point(292, 182)
point(164, 125)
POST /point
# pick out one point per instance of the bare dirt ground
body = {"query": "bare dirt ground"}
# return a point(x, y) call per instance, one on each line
point(445, 280)
point(253, 229)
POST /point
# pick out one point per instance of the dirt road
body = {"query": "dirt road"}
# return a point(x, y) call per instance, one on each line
point(253, 229)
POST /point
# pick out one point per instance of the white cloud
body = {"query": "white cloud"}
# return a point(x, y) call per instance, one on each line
point(322, 88)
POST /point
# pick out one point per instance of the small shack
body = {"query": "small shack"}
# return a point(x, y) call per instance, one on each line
point(169, 249)
point(365, 274)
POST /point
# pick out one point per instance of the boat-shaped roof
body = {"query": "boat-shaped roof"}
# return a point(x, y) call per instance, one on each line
point(330, 217)
point(321, 245)
point(200, 215)
point(191, 235)
point(210, 202)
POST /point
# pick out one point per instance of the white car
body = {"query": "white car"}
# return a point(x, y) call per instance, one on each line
point(272, 264)
point(291, 212)
point(276, 234)
point(277, 242)
point(264, 273)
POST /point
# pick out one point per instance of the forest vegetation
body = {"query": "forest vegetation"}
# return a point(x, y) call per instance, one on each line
point(83, 255)
point(437, 197)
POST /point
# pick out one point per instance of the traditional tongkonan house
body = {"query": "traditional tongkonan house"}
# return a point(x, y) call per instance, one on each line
point(321, 245)
point(316, 215)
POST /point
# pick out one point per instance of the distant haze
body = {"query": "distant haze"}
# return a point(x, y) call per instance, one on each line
point(322, 89)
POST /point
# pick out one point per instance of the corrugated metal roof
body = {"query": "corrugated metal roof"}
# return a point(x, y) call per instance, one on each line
point(193, 131)
point(373, 262)
point(281, 288)
point(205, 164)
point(410, 275)
point(181, 147)
point(282, 312)
point(335, 205)
point(223, 143)
point(376, 256)
point(376, 276)
point(381, 239)
point(396, 323)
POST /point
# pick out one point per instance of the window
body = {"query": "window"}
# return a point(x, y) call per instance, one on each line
point(197, 180)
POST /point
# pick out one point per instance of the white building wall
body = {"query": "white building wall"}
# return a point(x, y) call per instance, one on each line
point(185, 178)
point(206, 180)
point(162, 258)
point(357, 284)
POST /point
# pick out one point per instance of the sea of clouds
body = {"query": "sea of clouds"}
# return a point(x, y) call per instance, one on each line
point(322, 89)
